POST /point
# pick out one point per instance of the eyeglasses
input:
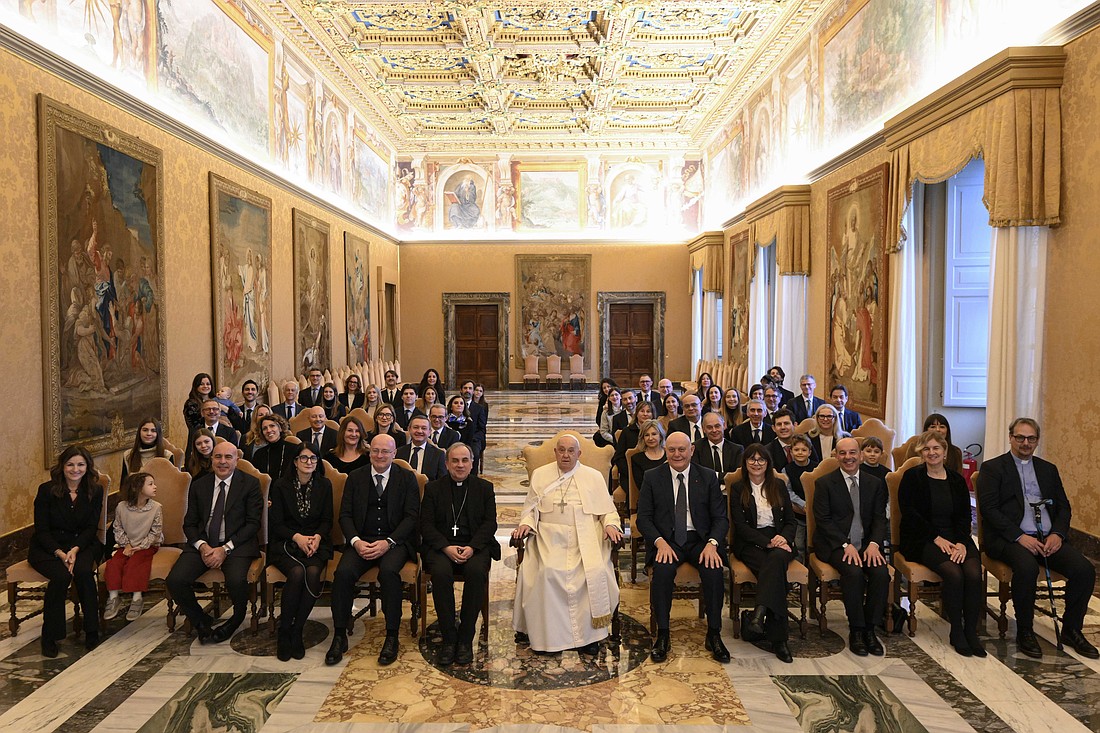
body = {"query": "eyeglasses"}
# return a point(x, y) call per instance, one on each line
point(381, 452)
point(756, 459)
point(826, 417)
point(308, 459)
point(1026, 438)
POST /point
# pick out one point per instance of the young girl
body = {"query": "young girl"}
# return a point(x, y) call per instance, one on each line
point(148, 444)
point(138, 534)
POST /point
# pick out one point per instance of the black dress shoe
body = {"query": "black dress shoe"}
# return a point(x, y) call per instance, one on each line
point(298, 646)
point(336, 649)
point(49, 648)
point(91, 641)
point(783, 652)
point(522, 638)
point(717, 649)
point(388, 655)
point(874, 646)
point(1028, 644)
point(222, 632)
point(856, 643)
point(752, 626)
point(659, 652)
point(282, 645)
point(960, 644)
point(1080, 644)
point(464, 653)
point(446, 654)
point(591, 649)
point(975, 643)
point(203, 634)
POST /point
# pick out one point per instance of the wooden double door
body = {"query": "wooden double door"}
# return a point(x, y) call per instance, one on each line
point(630, 342)
point(477, 344)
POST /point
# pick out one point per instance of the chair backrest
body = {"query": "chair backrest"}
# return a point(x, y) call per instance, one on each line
point(893, 483)
point(805, 425)
point(299, 421)
point(633, 488)
point(265, 488)
point(826, 467)
point(421, 479)
point(177, 454)
point(591, 455)
point(363, 417)
point(872, 426)
point(531, 364)
point(292, 440)
point(274, 393)
point(105, 484)
point(733, 478)
point(576, 364)
point(553, 364)
point(977, 509)
point(904, 451)
point(332, 425)
point(338, 480)
point(172, 486)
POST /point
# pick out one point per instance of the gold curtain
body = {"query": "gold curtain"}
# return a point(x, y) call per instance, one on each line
point(785, 218)
point(711, 259)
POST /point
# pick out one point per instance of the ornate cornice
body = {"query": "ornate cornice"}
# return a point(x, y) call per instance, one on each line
point(780, 198)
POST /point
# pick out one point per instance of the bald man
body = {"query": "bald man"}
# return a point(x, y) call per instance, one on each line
point(566, 591)
point(322, 438)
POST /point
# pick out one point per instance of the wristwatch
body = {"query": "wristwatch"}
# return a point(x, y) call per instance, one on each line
point(844, 546)
point(392, 543)
point(712, 541)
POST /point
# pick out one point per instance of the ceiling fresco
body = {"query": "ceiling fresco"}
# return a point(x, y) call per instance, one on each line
point(527, 75)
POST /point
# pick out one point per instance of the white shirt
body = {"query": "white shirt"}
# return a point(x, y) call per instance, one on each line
point(676, 489)
point(764, 516)
point(228, 484)
point(373, 482)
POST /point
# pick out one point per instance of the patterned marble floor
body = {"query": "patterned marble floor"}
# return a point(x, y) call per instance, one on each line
point(145, 679)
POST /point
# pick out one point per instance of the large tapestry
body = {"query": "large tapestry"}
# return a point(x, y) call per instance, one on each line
point(240, 233)
point(741, 251)
point(856, 290)
point(103, 336)
point(311, 314)
point(555, 304)
point(357, 297)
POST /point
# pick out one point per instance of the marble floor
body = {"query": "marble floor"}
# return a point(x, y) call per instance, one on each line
point(144, 679)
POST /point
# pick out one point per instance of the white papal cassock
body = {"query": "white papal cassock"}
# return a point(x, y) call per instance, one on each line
point(566, 589)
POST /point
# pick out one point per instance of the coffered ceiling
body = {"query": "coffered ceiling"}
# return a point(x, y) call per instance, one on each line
point(545, 75)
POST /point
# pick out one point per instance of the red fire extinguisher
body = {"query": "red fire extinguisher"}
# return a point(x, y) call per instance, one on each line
point(970, 463)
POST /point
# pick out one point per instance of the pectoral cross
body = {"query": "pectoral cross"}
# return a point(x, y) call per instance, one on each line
point(454, 529)
point(561, 503)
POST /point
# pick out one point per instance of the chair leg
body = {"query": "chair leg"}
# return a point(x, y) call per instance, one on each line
point(823, 598)
point(735, 609)
point(804, 599)
point(13, 618)
point(633, 560)
point(1004, 592)
point(913, 598)
point(254, 624)
point(422, 594)
point(269, 595)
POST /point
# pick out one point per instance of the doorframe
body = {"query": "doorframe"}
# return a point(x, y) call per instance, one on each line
point(504, 313)
point(656, 298)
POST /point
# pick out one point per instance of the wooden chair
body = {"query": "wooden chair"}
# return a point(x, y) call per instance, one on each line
point(577, 377)
point(743, 580)
point(591, 454)
point(905, 451)
point(214, 578)
point(299, 421)
point(172, 486)
point(553, 372)
point(177, 454)
point(361, 414)
point(921, 581)
point(21, 573)
point(1002, 572)
point(805, 426)
point(636, 541)
point(872, 426)
point(531, 376)
point(823, 576)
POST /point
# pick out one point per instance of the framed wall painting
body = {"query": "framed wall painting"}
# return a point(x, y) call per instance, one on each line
point(357, 297)
point(240, 233)
point(311, 288)
point(103, 324)
point(551, 196)
point(857, 293)
point(740, 251)
point(555, 305)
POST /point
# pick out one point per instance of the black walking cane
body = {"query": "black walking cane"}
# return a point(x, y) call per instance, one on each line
point(1037, 507)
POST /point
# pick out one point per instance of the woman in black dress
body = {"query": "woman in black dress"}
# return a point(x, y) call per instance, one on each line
point(935, 531)
point(334, 408)
point(652, 437)
point(351, 451)
point(299, 521)
point(763, 539)
point(353, 395)
point(64, 546)
point(273, 457)
point(202, 448)
point(202, 389)
point(386, 424)
point(628, 438)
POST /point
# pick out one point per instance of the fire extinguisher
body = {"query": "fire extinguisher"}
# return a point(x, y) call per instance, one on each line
point(970, 463)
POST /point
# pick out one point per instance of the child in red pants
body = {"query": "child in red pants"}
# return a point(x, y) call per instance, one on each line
point(138, 534)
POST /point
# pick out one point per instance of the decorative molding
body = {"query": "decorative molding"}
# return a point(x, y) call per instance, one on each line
point(706, 239)
point(1073, 27)
point(503, 302)
point(605, 299)
point(1027, 67)
point(780, 198)
point(50, 62)
point(873, 141)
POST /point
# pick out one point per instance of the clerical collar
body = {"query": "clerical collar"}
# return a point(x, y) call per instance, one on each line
point(567, 474)
point(1020, 461)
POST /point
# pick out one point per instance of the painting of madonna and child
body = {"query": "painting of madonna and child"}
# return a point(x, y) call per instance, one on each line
point(554, 294)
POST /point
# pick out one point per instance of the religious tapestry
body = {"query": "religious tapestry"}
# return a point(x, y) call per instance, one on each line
point(555, 304)
point(357, 297)
point(311, 288)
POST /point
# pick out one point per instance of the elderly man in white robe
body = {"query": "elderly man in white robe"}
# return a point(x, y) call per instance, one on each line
point(566, 591)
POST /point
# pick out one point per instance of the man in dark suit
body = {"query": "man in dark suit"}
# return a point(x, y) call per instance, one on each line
point(777, 375)
point(691, 422)
point(289, 407)
point(684, 518)
point(322, 438)
point(805, 405)
point(780, 448)
point(481, 421)
point(251, 392)
point(311, 395)
point(753, 430)
point(419, 453)
point(443, 436)
point(850, 511)
point(772, 399)
point(391, 393)
point(379, 514)
point(211, 414)
point(222, 527)
point(1008, 486)
point(849, 419)
point(714, 451)
point(646, 394)
point(405, 411)
point(458, 521)
point(621, 420)
point(664, 389)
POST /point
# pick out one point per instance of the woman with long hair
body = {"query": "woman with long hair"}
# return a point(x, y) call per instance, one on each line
point(254, 438)
point(299, 524)
point(458, 418)
point(763, 538)
point(712, 400)
point(432, 379)
point(351, 451)
point(200, 463)
point(628, 438)
point(604, 435)
point(334, 409)
point(731, 409)
point(652, 437)
point(372, 400)
point(148, 444)
point(935, 531)
point(826, 431)
point(353, 395)
point(428, 397)
point(385, 423)
point(605, 386)
point(64, 546)
point(202, 389)
point(272, 457)
point(938, 424)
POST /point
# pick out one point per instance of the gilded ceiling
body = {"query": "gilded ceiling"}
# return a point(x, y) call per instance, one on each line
point(538, 75)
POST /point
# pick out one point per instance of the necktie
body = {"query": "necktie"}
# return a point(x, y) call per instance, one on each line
point(416, 459)
point(314, 393)
point(809, 408)
point(248, 416)
point(680, 532)
point(290, 411)
point(856, 534)
point(435, 437)
point(787, 452)
point(717, 459)
point(697, 435)
point(317, 442)
point(217, 516)
point(378, 487)
point(756, 435)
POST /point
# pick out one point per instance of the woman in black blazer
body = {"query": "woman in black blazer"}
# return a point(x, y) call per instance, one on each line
point(64, 547)
point(764, 542)
point(299, 525)
point(935, 531)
